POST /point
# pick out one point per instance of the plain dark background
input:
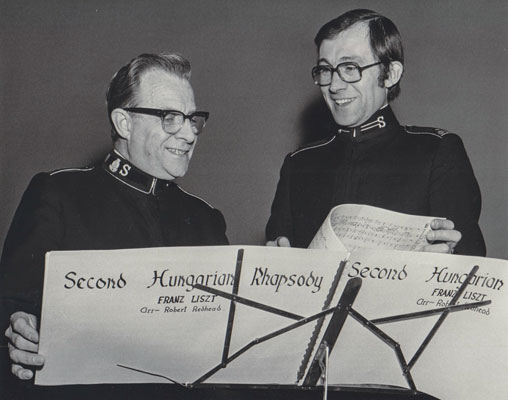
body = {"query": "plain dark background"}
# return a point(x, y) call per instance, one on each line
point(251, 69)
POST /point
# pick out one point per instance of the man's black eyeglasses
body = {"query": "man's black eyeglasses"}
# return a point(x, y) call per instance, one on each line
point(349, 72)
point(173, 120)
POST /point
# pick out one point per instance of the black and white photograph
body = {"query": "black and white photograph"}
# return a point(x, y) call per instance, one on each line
point(244, 199)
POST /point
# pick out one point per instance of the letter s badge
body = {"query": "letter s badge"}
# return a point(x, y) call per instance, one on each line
point(125, 170)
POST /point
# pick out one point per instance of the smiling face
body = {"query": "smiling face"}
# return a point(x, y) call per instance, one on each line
point(147, 145)
point(351, 104)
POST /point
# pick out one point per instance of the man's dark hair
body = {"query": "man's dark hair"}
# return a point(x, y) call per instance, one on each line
point(384, 36)
point(125, 83)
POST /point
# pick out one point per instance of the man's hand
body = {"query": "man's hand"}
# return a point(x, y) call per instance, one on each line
point(23, 344)
point(281, 241)
point(443, 238)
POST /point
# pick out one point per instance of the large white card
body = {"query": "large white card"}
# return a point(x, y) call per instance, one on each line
point(467, 358)
point(107, 310)
point(130, 316)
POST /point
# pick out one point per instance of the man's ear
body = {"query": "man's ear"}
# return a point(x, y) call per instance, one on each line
point(394, 74)
point(122, 121)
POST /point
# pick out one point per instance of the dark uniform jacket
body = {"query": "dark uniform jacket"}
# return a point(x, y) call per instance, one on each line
point(413, 170)
point(109, 206)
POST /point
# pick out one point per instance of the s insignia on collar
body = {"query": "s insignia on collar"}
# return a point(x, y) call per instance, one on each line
point(113, 167)
point(125, 170)
point(379, 123)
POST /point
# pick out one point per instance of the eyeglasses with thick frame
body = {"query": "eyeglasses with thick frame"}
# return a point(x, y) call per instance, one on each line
point(349, 72)
point(172, 120)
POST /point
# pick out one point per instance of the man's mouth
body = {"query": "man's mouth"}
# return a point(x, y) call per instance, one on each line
point(177, 152)
point(343, 102)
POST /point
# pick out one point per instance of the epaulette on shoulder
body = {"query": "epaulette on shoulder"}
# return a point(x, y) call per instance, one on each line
point(196, 197)
point(82, 169)
point(313, 145)
point(424, 130)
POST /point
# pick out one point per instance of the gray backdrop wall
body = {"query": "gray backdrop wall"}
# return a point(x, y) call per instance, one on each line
point(251, 70)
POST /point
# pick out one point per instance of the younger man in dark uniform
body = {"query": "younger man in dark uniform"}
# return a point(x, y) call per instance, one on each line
point(372, 159)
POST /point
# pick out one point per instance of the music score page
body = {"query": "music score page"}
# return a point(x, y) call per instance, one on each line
point(352, 226)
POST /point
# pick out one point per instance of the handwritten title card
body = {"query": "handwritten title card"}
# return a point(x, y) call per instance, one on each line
point(468, 356)
point(167, 315)
point(123, 311)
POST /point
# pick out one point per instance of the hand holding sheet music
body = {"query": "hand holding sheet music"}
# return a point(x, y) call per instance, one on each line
point(352, 226)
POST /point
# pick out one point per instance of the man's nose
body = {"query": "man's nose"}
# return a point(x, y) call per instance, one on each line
point(186, 133)
point(337, 83)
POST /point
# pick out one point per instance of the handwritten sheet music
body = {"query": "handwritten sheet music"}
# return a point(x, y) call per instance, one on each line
point(352, 226)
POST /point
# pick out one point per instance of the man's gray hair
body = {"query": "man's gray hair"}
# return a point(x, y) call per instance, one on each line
point(125, 83)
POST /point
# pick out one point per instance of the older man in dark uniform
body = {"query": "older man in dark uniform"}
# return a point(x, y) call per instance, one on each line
point(370, 158)
point(129, 200)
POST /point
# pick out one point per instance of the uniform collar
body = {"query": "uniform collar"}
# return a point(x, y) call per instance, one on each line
point(381, 121)
point(118, 167)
